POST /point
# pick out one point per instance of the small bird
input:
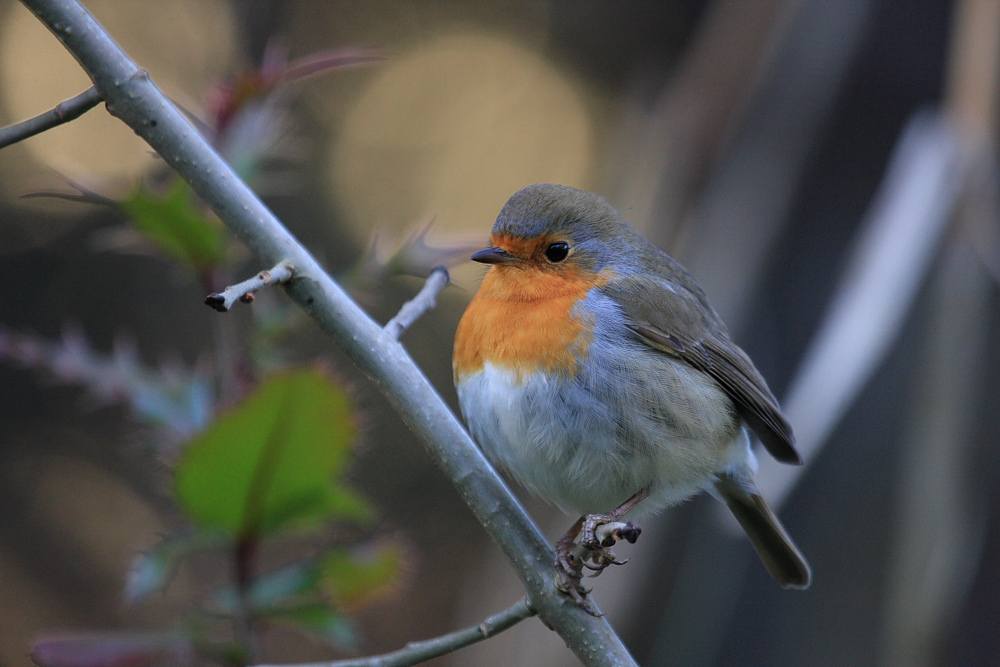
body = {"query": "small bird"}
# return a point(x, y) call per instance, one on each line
point(591, 367)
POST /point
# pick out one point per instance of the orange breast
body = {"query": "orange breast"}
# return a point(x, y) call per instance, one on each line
point(521, 319)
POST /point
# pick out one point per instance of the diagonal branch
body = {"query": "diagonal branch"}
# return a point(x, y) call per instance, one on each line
point(63, 112)
point(413, 309)
point(417, 652)
point(132, 97)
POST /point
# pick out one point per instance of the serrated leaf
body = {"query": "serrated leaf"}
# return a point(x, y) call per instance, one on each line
point(273, 461)
point(353, 577)
point(174, 223)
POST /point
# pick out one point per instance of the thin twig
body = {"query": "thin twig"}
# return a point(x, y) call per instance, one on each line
point(425, 299)
point(135, 99)
point(417, 652)
point(63, 112)
point(224, 300)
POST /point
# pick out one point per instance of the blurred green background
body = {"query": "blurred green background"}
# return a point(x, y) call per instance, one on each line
point(827, 171)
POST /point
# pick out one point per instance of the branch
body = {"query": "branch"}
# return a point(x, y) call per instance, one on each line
point(417, 652)
point(63, 112)
point(132, 97)
point(224, 300)
point(413, 309)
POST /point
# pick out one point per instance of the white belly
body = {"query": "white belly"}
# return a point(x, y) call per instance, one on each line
point(588, 446)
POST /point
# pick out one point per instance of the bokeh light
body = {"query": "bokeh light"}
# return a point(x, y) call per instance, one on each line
point(452, 128)
point(185, 44)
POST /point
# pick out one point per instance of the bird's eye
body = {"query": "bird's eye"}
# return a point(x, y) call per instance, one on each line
point(557, 252)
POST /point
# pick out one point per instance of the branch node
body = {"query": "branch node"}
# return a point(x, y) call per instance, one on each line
point(244, 291)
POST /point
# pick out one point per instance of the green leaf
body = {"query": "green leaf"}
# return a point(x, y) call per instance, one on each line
point(176, 225)
point(273, 461)
point(353, 577)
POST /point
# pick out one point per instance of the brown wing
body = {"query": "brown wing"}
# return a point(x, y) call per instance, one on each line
point(679, 322)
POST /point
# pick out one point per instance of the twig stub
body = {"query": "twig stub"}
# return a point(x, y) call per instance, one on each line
point(244, 291)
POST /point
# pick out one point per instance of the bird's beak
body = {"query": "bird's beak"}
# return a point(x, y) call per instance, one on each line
point(494, 256)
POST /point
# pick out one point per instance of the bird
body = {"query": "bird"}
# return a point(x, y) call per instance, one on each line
point(593, 370)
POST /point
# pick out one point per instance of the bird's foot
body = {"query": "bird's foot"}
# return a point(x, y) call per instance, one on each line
point(598, 533)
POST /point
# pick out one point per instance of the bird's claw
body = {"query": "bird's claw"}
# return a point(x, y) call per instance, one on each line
point(569, 582)
point(603, 558)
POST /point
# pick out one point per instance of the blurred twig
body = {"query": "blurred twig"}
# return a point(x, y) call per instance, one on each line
point(746, 201)
point(940, 523)
point(893, 254)
point(894, 250)
point(725, 148)
point(132, 97)
point(668, 150)
point(63, 112)
point(940, 519)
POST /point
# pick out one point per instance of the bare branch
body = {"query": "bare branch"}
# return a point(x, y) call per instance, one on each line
point(224, 300)
point(63, 112)
point(417, 652)
point(135, 99)
point(426, 299)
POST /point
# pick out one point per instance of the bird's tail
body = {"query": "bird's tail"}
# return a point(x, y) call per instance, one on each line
point(780, 555)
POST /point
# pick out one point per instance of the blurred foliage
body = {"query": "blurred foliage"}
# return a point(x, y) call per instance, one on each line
point(351, 577)
point(273, 462)
point(112, 650)
point(174, 400)
point(177, 226)
point(262, 461)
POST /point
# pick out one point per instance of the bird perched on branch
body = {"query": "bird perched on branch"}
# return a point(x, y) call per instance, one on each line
point(592, 368)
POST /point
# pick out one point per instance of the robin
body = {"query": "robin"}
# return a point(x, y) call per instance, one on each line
point(592, 368)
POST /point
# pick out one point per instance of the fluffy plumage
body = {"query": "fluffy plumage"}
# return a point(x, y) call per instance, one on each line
point(595, 375)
